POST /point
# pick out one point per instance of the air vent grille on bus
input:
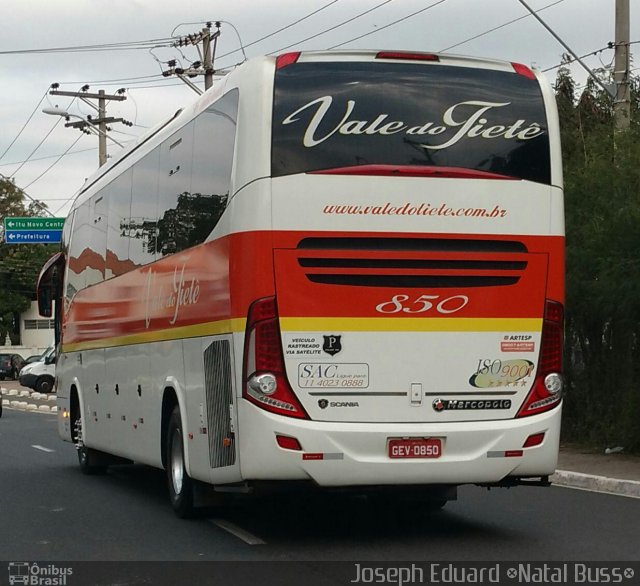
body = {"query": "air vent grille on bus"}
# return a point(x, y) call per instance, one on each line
point(432, 281)
point(219, 396)
point(412, 262)
point(426, 244)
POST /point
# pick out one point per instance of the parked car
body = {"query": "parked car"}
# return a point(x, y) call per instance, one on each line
point(10, 365)
point(40, 375)
point(33, 358)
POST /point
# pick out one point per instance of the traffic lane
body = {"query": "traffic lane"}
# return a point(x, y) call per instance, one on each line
point(125, 515)
point(50, 511)
point(19, 431)
point(523, 523)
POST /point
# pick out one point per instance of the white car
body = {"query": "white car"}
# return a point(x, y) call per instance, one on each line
point(40, 375)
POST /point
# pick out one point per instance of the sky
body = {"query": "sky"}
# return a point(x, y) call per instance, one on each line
point(51, 162)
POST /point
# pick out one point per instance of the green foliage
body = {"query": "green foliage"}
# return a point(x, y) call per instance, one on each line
point(19, 264)
point(602, 195)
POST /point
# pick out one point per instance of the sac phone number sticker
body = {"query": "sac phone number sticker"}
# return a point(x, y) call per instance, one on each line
point(331, 375)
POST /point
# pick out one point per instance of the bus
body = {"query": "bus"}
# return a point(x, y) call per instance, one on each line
point(335, 270)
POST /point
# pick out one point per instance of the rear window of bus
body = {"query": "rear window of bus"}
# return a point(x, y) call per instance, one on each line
point(329, 115)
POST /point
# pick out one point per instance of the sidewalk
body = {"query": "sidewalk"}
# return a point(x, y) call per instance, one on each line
point(588, 469)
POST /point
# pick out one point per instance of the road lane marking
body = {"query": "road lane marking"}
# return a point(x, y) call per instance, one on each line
point(238, 532)
point(43, 449)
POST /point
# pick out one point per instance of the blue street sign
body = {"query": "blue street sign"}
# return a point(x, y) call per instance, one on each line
point(32, 236)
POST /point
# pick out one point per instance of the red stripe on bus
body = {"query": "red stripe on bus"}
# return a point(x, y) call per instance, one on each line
point(413, 171)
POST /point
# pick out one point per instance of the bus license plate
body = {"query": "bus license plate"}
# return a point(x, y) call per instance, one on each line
point(415, 448)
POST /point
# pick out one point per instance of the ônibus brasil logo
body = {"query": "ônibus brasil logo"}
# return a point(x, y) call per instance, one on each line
point(33, 574)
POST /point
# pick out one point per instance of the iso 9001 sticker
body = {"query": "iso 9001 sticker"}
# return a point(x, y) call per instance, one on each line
point(322, 375)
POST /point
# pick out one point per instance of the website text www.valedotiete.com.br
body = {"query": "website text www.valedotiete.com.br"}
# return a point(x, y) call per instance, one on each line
point(411, 209)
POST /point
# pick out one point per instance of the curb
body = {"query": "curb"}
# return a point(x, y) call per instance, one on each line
point(19, 399)
point(596, 483)
point(24, 406)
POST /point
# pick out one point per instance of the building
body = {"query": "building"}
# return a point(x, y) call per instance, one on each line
point(36, 333)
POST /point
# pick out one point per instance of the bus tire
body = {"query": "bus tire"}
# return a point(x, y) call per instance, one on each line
point(180, 485)
point(91, 462)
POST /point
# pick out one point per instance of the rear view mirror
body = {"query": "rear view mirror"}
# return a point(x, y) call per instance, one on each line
point(50, 284)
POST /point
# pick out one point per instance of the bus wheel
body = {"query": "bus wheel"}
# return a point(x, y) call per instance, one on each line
point(180, 485)
point(91, 461)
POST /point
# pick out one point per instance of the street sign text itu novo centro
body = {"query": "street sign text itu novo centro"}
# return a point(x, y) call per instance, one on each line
point(33, 230)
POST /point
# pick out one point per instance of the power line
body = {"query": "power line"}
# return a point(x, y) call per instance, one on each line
point(571, 59)
point(24, 125)
point(332, 28)
point(126, 46)
point(70, 199)
point(54, 163)
point(25, 194)
point(377, 30)
point(39, 145)
point(280, 29)
point(242, 47)
point(143, 87)
point(106, 81)
point(33, 160)
point(499, 27)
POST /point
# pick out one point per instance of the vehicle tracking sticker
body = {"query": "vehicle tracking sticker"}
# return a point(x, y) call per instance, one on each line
point(302, 345)
point(332, 344)
point(312, 345)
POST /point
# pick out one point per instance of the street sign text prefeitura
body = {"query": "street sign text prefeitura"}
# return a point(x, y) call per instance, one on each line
point(33, 230)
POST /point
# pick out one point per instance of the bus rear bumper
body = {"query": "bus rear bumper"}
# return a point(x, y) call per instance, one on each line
point(356, 454)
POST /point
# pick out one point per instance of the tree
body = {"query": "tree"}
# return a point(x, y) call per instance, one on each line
point(602, 195)
point(19, 264)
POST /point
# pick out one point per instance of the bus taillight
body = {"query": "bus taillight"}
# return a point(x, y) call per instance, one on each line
point(548, 385)
point(521, 69)
point(287, 59)
point(265, 381)
point(407, 55)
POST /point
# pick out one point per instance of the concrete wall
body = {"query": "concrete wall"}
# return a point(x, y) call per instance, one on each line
point(34, 341)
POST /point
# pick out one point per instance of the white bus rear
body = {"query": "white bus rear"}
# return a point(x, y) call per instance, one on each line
point(334, 270)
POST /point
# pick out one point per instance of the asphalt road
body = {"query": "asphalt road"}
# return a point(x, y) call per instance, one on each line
point(50, 511)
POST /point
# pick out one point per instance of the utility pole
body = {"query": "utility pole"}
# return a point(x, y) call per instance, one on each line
point(99, 124)
point(204, 66)
point(207, 61)
point(102, 125)
point(622, 103)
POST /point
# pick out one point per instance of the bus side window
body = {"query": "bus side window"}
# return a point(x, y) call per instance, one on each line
point(118, 193)
point(174, 193)
point(143, 225)
point(213, 148)
point(78, 253)
point(66, 237)
point(95, 264)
